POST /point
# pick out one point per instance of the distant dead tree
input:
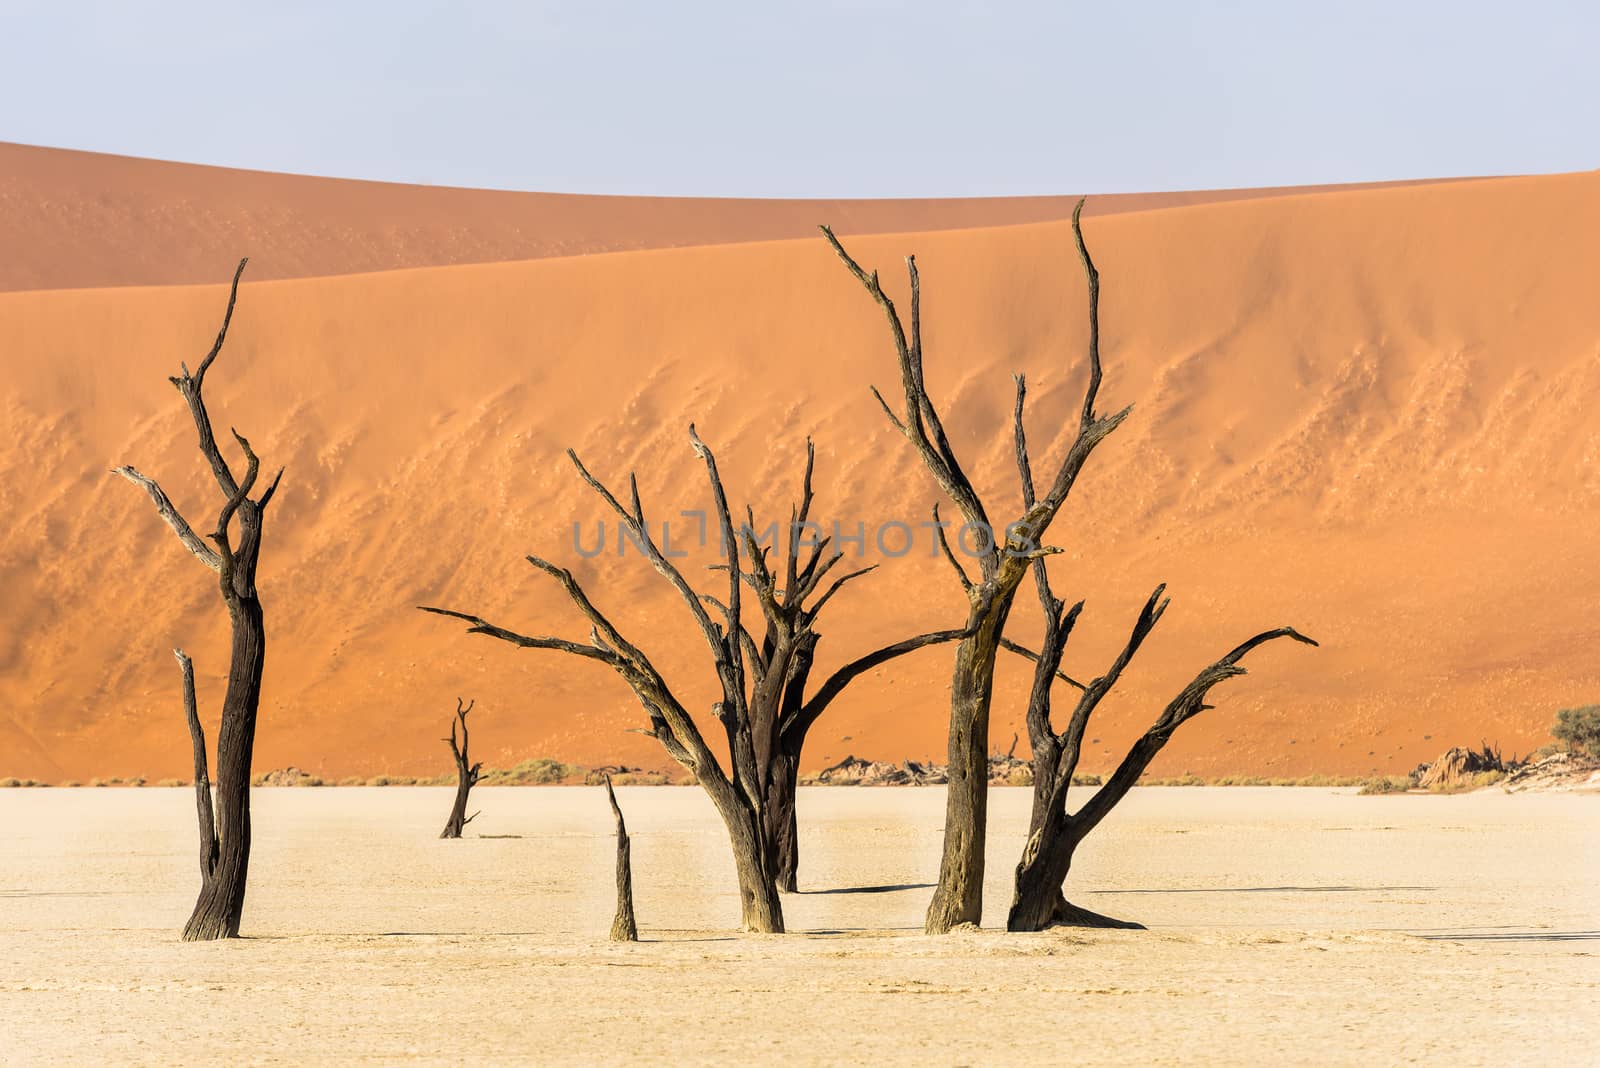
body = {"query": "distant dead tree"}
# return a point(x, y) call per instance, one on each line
point(623, 927)
point(224, 834)
point(466, 774)
point(763, 710)
point(1004, 555)
point(1053, 834)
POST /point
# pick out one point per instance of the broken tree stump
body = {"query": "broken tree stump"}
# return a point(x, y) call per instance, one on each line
point(623, 928)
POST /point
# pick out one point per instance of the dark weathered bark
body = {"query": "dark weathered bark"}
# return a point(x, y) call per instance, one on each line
point(1038, 900)
point(765, 708)
point(1054, 834)
point(204, 809)
point(624, 928)
point(781, 823)
point(221, 900)
point(1002, 563)
point(466, 773)
point(958, 897)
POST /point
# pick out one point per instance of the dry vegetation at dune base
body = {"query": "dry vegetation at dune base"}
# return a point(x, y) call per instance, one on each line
point(1286, 927)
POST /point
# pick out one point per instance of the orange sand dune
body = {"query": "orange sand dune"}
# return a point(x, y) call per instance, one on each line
point(1368, 414)
point(78, 219)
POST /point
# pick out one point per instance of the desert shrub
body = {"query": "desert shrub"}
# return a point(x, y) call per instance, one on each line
point(70, 782)
point(10, 782)
point(1385, 784)
point(1019, 777)
point(541, 771)
point(641, 778)
point(1475, 781)
point(1083, 779)
point(353, 780)
point(172, 782)
point(1579, 729)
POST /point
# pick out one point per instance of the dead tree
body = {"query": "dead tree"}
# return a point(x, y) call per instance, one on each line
point(224, 839)
point(466, 774)
point(763, 709)
point(623, 928)
point(1053, 834)
point(1003, 556)
point(791, 596)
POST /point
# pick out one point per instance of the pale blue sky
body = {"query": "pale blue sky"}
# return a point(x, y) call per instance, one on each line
point(873, 98)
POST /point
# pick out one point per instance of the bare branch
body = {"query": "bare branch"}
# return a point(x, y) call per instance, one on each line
point(1092, 277)
point(1188, 704)
point(483, 626)
point(1092, 429)
point(202, 779)
point(921, 424)
point(894, 419)
point(222, 334)
point(634, 522)
point(266, 498)
point(835, 683)
point(944, 546)
point(169, 514)
point(190, 386)
point(239, 496)
point(1032, 657)
point(1020, 435)
point(838, 584)
point(1072, 738)
point(798, 516)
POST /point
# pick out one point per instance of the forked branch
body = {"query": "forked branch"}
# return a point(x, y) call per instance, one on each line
point(1189, 703)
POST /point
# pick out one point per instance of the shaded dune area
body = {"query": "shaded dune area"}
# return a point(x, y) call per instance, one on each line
point(1366, 412)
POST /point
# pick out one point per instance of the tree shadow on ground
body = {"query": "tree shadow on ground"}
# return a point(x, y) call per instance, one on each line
point(1474, 935)
point(1269, 890)
point(886, 889)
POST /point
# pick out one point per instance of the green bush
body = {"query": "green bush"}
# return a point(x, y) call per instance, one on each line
point(1579, 729)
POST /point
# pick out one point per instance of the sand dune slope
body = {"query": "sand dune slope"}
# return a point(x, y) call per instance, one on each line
point(1368, 414)
point(79, 219)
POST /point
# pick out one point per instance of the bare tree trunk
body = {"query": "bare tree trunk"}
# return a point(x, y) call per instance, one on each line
point(760, 909)
point(782, 831)
point(458, 811)
point(1038, 901)
point(958, 899)
point(623, 928)
point(466, 774)
point(221, 902)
